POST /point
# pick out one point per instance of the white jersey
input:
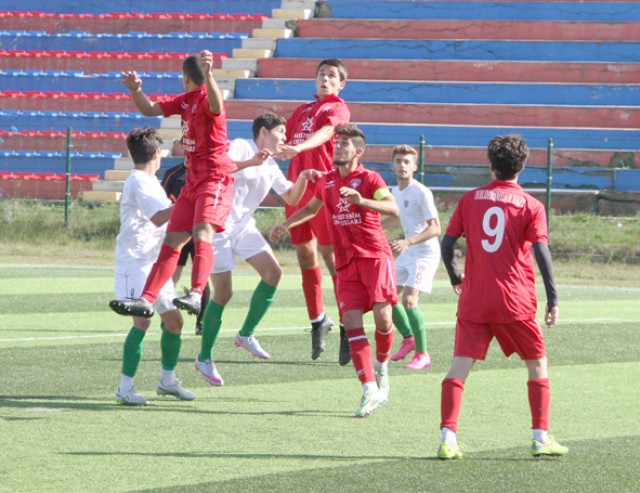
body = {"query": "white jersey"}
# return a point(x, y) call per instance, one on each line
point(417, 206)
point(252, 184)
point(140, 239)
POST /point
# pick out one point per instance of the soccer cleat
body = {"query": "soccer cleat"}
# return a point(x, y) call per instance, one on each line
point(382, 377)
point(369, 403)
point(446, 452)
point(344, 356)
point(208, 370)
point(130, 397)
point(419, 361)
point(189, 302)
point(176, 390)
point(408, 345)
point(549, 448)
point(319, 331)
point(138, 307)
point(199, 327)
point(252, 345)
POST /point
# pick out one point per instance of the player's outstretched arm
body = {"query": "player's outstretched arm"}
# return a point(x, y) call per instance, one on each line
point(134, 83)
point(383, 204)
point(301, 216)
point(317, 139)
point(543, 259)
point(214, 94)
point(295, 193)
point(432, 230)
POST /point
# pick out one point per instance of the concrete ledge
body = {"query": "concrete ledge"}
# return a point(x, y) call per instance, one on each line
point(272, 33)
point(252, 53)
point(116, 175)
point(99, 196)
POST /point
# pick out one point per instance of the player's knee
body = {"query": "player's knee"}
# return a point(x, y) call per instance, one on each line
point(223, 296)
point(272, 276)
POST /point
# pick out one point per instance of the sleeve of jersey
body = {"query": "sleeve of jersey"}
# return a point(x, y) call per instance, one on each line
point(454, 228)
point(537, 232)
point(280, 183)
point(339, 115)
point(379, 187)
point(428, 205)
point(240, 150)
point(148, 201)
point(171, 106)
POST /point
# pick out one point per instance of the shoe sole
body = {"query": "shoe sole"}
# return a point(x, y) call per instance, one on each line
point(209, 380)
point(121, 309)
point(186, 307)
point(371, 411)
point(422, 367)
point(162, 393)
point(259, 356)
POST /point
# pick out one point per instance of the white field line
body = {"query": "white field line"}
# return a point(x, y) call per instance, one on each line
point(272, 329)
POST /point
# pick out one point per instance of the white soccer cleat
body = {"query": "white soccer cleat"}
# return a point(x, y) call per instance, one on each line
point(252, 345)
point(382, 378)
point(176, 390)
point(208, 370)
point(130, 397)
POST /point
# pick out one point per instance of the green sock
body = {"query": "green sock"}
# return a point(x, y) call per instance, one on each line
point(132, 352)
point(400, 320)
point(212, 321)
point(417, 326)
point(170, 346)
point(260, 302)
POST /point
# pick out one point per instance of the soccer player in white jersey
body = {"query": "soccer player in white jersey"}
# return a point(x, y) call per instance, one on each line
point(144, 211)
point(418, 254)
point(242, 238)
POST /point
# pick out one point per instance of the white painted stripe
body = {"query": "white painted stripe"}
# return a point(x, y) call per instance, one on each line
point(285, 329)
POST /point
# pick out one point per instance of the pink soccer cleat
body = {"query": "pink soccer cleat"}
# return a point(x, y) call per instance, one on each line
point(419, 361)
point(408, 345)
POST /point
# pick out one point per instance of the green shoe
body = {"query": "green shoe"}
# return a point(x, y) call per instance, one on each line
point(369, 403)
point(446, 452)
point(382, 377)
point(550, 448)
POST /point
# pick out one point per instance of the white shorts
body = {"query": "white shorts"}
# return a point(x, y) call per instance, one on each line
point(245, 244)
point(130, 281)
point(417, 272)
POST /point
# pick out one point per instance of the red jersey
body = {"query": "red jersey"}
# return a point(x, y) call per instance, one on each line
point(355, 231)
point(204, 135)
point(500, 222)
point(304, 122)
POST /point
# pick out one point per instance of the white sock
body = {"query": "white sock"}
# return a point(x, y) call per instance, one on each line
point(541, 436)
point(168, 377)
point(449, 437)
point(370, 387)
point(319, 318)
point(125, 382)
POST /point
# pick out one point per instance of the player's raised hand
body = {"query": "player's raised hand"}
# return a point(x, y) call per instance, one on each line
point(351, 194)
point(288, 152)
point(206, 61)
point(311, 174)
point(131, 81)
point(551, 315)
point(277, 231)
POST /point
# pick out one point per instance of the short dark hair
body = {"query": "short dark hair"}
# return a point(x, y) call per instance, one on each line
point(334, 62)
point(354, 134)
point(191, 67)
point(143, 143)
point(508, 155)
point(268, 121)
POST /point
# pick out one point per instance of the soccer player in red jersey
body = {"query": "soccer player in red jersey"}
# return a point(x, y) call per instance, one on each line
point(311, 139)
point(206, 199)
point(354, 198)
point(501, 224)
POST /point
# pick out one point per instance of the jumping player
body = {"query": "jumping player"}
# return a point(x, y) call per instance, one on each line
point(205, 200)
point(354, 198)
point(501, 223)
point(418, 254)
point(311, 139)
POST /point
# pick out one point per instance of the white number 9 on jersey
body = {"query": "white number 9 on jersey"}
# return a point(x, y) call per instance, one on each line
point(495, 233)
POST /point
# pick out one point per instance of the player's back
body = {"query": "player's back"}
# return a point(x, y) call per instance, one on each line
point(500, 223)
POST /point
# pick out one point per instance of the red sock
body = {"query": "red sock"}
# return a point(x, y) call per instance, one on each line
point(335, 292)
point(361, 355)
point(202, 264)
point(451, 402)
point(539, 402)
point(384, 342)
point(161, 272)
point(312, 289)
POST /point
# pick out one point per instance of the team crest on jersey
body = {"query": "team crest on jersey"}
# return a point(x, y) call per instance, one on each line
point(355, 183)
point(343, 205)
point(329, 184)
point(184, 105)
point(406, 203)
point(307, 125)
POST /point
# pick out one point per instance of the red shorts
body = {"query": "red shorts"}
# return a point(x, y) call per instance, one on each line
point(316, 227)
point(365, 281)
point(524, 337)
point(208, 202)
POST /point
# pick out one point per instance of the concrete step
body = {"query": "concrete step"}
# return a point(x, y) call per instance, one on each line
point(119, 175)
point(100, 196)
